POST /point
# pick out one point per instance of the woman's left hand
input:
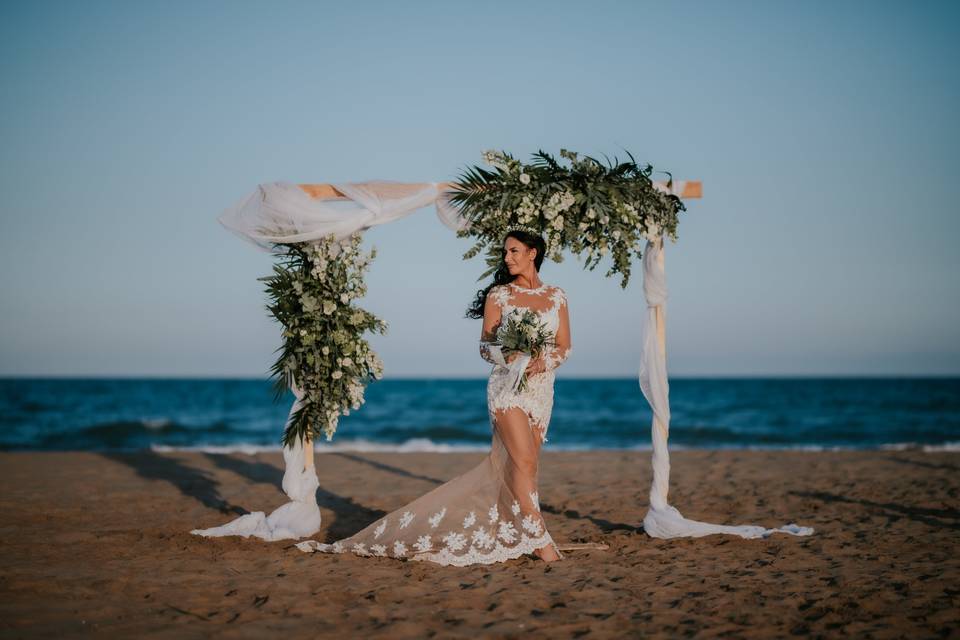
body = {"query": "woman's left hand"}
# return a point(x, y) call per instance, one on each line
point(536, 366)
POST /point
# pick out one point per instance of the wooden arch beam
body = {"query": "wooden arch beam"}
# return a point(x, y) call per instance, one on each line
point(685, 189)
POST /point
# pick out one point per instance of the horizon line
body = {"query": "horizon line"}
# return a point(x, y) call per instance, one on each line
point(721, 376)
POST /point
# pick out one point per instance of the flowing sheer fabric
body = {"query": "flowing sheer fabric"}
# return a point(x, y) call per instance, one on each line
point(282, 212)
point(491, 513)
point(663, 520)
point(298, 518)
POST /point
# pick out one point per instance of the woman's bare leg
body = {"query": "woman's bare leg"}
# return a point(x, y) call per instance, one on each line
point(523, 449)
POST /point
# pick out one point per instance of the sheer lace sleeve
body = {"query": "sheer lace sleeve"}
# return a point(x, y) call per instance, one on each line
point(491, 353)
point(555, 355)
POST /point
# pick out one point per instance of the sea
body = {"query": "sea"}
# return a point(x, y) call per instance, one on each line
point(444, 415)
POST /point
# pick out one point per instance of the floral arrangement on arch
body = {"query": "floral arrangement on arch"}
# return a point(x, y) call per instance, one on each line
point(324, 353)
point(588, 207)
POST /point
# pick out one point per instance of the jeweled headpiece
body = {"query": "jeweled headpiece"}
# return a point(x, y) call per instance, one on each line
point(531, 231)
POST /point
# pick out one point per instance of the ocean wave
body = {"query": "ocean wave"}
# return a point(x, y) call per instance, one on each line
point(425, 445)
point(946, 446)
point(413, 445)
point(452, 434)
point(131, 432)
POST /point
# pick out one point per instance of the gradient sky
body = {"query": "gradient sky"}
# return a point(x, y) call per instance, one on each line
point(823, 133)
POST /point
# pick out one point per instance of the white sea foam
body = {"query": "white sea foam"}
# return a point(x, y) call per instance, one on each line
point(900, 446)
point(410, 446)
point(156, 424)
point(425, 445)
point(946, 446)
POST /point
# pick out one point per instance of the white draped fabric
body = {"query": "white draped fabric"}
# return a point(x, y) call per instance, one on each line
point(282, 212)
point(298, 518)
point(663, 520)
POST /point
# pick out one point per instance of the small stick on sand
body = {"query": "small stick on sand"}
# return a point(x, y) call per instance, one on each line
point(582, 546)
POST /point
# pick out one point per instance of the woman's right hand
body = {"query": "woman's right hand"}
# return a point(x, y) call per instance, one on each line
point(511, 356)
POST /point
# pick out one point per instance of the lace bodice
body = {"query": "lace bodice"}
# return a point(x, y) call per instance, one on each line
point(546, 300)
point(550, 304)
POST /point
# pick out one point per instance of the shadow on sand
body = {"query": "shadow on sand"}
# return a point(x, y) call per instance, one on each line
point(386, 467)
point(348, 516)
point(925, 465)
point(928, 516)
point(606, 526)
point(195, 483)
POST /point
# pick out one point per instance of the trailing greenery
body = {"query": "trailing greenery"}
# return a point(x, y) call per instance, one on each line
point(323, 349)
point(584, 205)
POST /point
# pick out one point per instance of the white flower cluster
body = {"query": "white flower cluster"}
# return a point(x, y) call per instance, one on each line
point(318, 255)
point(556, 204)
point(497, 159)
point(482, 540)
point(532, 525)
point(529, 209)
point(631, 218)
point(435, 519)
point(507, 532)
point(455, 541)
point(423, 544)
point(652, 232)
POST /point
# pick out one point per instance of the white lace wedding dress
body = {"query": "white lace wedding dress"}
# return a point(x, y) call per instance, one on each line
point(491, 513)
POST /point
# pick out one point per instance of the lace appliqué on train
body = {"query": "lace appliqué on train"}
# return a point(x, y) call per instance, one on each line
point(484, 538)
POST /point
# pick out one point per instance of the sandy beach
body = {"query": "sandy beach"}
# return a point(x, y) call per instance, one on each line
point(99, 543)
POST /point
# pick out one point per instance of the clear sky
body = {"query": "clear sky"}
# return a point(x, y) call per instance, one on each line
point(824, 134)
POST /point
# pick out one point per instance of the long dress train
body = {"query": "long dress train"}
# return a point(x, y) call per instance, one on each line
point(491, 513)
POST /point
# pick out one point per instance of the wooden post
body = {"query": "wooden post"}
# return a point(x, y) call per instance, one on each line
point(308, 452)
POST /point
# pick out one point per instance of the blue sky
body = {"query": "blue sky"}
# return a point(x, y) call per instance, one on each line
point(824, 134)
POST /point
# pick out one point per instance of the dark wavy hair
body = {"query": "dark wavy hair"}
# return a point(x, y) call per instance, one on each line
point(502, 274)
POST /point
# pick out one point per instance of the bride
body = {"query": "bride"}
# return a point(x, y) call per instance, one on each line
point(492, 512)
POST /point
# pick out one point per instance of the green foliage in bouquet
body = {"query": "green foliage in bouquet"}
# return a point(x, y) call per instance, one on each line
point(323, 349)
point(586, 206)
point(523, 332)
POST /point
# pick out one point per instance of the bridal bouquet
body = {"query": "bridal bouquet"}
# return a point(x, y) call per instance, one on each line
point(522, 332)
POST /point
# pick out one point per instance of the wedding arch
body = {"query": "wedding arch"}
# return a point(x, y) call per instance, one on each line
point(585, 206)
